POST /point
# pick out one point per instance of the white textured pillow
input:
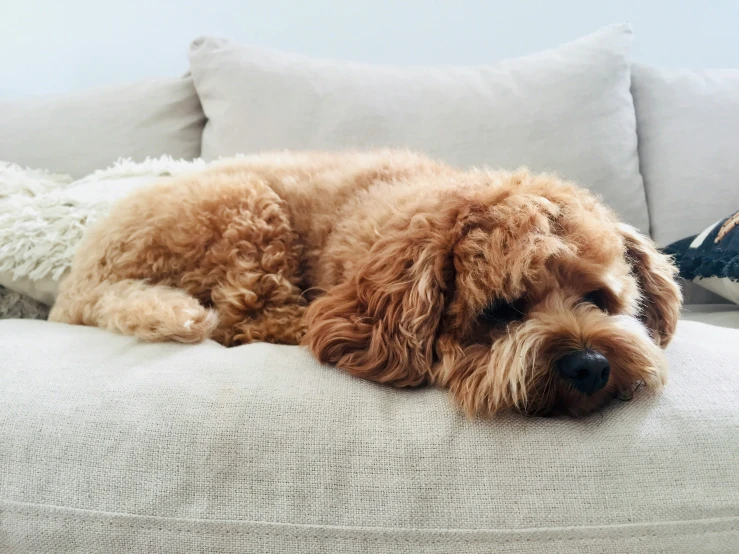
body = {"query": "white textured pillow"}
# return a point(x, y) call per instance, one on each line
point(43, 217)
point(21, 193)
point(567, 110)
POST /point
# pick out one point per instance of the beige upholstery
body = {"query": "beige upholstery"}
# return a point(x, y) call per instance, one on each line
point(567, 110)
point(80, 133)
point(110, 445)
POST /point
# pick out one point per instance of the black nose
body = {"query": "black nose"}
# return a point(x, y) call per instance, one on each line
point(587, 370)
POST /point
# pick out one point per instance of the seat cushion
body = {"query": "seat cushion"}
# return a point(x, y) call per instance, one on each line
point(722, 315)
point(111, 445)
point(567, 110)
point(77, 134)
point(688, 124)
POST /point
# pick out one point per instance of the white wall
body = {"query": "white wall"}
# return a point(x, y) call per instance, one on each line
point(49, 46)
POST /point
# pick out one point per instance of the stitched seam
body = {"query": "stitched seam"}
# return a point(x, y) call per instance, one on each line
point(302, 530)
point(388, 538)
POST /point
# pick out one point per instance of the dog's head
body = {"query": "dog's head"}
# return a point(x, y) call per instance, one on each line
point(515, 291)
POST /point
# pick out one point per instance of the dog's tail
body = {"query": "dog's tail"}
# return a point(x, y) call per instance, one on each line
point(153, 313)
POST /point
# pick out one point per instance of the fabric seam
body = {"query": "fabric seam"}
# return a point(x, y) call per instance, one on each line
point(173, 525)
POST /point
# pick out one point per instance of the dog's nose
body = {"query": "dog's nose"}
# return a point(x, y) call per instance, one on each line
point(587, 370)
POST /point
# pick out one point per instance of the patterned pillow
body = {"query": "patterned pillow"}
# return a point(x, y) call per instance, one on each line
point(711, 259)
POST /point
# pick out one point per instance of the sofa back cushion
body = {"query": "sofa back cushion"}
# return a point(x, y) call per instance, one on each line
point(567, 110)
point(79, 133)
point(688, 125)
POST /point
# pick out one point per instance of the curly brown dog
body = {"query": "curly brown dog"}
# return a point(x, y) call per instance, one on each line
point(511, 289)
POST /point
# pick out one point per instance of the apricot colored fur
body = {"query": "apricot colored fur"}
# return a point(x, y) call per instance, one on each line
point(381, 263)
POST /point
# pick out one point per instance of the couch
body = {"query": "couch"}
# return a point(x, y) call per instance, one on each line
point(108, 444)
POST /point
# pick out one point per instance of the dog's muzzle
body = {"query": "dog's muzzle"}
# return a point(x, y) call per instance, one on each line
point(586, 370)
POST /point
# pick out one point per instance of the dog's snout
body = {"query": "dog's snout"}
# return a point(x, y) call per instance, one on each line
point(586, 370)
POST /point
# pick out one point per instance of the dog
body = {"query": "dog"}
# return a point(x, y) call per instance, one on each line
point(515, 291)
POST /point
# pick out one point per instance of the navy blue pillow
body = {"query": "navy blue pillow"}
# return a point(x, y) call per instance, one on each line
point(711, 259)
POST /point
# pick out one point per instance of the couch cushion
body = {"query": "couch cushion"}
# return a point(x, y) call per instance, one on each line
point(111, 445)
point(726, 315)
point(567, 110)
point(688, 124)
point(79, 133)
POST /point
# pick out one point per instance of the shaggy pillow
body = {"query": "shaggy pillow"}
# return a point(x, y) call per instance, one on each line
point(44, 216)
point(711, 259)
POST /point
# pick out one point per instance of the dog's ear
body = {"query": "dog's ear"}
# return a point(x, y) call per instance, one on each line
point(656, 274)
point(380, 324)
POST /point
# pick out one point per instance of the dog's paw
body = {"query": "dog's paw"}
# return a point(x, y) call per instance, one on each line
point(197, 325)
point(187, 323)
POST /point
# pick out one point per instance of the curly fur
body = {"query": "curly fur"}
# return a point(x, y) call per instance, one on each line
point(382, 263)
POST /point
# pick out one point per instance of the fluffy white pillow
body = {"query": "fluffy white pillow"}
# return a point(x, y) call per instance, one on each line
point(44, 216)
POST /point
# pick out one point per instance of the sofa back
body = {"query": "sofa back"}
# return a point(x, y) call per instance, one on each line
point(77, 134)
point(688, 127)
point(568, 109)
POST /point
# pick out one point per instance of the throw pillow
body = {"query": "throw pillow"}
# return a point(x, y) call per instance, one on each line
point(567, 110)
point(43, 217)
point(711, 259)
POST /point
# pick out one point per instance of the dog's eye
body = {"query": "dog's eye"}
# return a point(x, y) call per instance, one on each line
point(500, 311)
point(598, 299)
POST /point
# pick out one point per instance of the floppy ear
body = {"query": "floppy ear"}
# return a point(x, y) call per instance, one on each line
point(656, 275)
point(380, 324)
